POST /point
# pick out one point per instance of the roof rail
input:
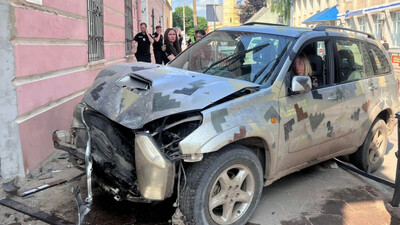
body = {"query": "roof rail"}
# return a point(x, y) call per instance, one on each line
point(261, 23)
point(324, 28)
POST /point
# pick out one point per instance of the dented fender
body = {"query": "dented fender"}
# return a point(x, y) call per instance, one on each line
point(233, 121)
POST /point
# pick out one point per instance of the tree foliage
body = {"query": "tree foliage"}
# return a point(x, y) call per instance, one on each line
point(282, 7)
point(177, 17)
point(249, 8)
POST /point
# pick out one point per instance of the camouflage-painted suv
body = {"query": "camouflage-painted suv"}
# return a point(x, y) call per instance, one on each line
point(227, 117)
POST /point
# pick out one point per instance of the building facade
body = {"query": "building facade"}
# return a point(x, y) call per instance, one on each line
point(304, 9)
point(168, 14)
point(51, 52)
point(378, 17)
point(230, 16)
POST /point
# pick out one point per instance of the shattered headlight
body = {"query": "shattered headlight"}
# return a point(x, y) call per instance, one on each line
point(170, 130)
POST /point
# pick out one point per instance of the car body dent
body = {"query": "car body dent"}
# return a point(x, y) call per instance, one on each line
point(245, 117)
point(170, 91)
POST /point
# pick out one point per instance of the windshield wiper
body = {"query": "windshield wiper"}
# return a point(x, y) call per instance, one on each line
point(258, 48)
point(277, 59)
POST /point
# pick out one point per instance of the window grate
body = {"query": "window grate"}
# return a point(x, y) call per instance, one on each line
point(128, 27)
point(96, 30)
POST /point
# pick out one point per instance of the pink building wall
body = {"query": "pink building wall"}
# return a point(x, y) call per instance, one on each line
point(50, 42)
point(158, 7)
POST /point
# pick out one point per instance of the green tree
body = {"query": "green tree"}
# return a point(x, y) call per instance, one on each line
point(202, 23)
point(248, 9)
point(177, 17)
point(282, 7)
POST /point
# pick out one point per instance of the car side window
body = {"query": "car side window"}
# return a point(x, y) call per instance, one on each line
point(311, 61)
point(368, 69)
point(379, 60)
point(350, 60)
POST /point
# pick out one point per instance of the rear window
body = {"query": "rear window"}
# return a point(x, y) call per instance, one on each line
point(379, 60)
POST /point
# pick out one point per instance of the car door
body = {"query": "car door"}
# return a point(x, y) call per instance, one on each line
point(311, 121)
point(355, 77)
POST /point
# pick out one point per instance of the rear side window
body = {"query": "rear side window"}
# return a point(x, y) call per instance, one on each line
point(350, 60)
point(369, 70)
point(379, 60)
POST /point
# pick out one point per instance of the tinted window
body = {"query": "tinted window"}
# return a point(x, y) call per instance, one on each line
point(369, 71)
point(379, 61)
point(350, 60)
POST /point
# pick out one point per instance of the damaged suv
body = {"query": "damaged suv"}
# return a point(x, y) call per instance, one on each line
point(227, 117)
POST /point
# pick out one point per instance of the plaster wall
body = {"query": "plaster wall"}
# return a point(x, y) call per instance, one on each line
point(10, 145)
point(46, 71)
point(158, 7)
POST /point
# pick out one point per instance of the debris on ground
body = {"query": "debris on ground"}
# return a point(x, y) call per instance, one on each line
point(63, 155)
point(330, 165)
point(41, 187)
point(40, 215)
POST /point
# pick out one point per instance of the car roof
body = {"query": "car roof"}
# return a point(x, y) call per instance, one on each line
point(269, 29)
point(296, 32)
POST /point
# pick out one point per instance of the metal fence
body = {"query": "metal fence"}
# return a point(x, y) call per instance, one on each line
point(96, 30)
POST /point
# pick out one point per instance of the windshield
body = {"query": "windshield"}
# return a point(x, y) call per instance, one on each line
point(232, 54)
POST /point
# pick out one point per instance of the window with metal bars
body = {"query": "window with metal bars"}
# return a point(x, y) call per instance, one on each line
point(96, 30)
point(128, 27)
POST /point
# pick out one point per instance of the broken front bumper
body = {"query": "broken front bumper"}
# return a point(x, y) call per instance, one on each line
point(155, 173)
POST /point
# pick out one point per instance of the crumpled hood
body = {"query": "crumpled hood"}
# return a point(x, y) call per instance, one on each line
point(134, 94)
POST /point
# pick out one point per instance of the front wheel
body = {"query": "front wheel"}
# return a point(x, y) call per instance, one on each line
point(224, 188)
point(369, 157)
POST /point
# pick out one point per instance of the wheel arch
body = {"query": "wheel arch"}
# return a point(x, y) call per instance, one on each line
point(252, 135)
point(387, 115)
point(261, 148)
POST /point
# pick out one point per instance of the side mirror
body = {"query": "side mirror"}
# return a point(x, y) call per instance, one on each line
point(301, 84)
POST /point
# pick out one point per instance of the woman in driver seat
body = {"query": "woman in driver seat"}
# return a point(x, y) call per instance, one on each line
point(302, 67)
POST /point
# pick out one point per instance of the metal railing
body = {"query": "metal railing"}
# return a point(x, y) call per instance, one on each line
point(96, 30)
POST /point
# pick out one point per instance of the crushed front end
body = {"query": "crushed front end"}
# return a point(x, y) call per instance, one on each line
point(136, 165)
point(134, 117)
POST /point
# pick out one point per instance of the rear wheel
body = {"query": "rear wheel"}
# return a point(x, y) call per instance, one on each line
point(224, 188)
point(369, 157)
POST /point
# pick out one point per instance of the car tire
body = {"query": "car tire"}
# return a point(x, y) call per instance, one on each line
point(369, 157)
point(215, 194)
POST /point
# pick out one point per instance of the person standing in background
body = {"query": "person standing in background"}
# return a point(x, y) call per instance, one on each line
point(171, 47)
point(199, 34)
point(384, 43)
point(143, 40)
point(158, 42)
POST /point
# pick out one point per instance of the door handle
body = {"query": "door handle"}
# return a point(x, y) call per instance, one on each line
point(333, 97)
